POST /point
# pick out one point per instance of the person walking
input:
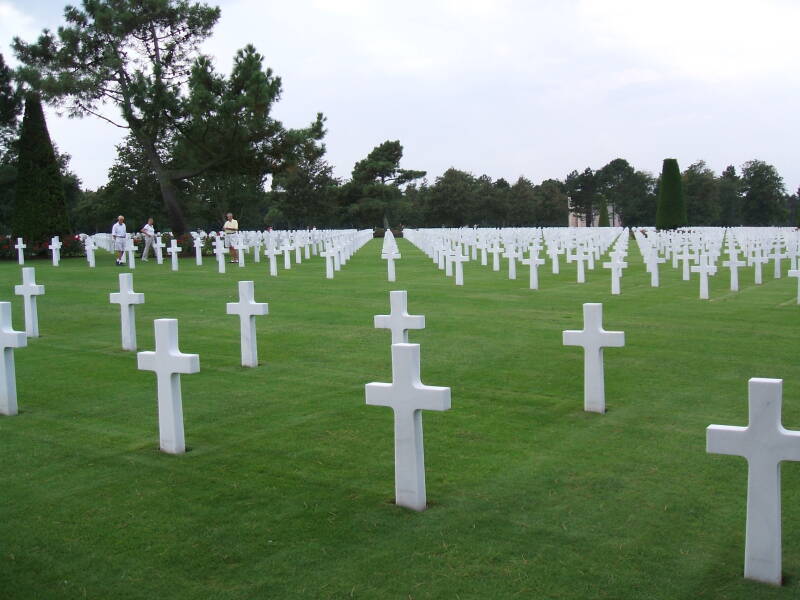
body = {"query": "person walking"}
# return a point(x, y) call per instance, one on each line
point(149, 235)
point(231, 230)
point(119, 235)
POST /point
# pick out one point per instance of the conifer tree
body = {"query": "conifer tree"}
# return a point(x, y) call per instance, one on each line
point(39, 206)
point(671, 212)
point(603, 210)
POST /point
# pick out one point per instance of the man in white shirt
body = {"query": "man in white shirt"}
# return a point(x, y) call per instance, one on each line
point(231, 229)
point(149, 236)
point(119, 235)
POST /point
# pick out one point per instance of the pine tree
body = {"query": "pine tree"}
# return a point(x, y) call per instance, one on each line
point(671, 211)
point(39, 205)
point(603, 210)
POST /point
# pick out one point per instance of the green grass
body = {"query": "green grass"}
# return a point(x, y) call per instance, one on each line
point(287, 488)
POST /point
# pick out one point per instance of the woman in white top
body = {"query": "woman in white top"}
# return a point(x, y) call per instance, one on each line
point(119, 235)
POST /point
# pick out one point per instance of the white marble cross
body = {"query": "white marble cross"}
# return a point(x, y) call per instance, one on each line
point(553, 251)
point(29, 290)
point(399, 321)
point(9, 339)
point(534, 261)
point(298, 250)
point(705, 269)
point(796, 273)
point(130, 249)
point(459, 258)
point(337, 257)
point(89, 245)
point(758, 259)
point(764, 443)
point(494, 250)
point(511, 254)
point(198, 251)
point(733, 263)
point(685, 256)
point(241, 248)
point(20, 247)
point(270, 251)
point(616, 265)
point(408, 397)
point(174, 250)
point(328, 254)
point(286, 248)
point(390, 257)
point(169, 362)
point(55, 247)
point(777, 255)
point(127, 299)
point(158, 245)
point(449, 253)
point(219, 251)
point(593, 338)
point(257, 250)
point(247, 309)
point(579, 258)
point(653, 260)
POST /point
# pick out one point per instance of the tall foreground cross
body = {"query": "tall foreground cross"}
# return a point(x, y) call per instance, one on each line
point(399, 321)
point(764, 443)
point(29, 290)
point(408, 397)
point(593, 338)
point(169, 362)
point(9, 339)
point(127, 298)
point(247, 309)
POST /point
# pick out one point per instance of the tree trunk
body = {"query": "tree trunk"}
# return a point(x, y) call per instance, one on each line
point(170, 195)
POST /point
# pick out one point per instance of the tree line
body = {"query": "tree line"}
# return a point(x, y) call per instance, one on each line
point(200, 144)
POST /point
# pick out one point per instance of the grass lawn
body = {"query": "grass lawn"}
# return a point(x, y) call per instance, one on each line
point(287, 487)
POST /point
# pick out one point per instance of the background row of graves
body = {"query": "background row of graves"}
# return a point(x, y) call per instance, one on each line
point(515, 427)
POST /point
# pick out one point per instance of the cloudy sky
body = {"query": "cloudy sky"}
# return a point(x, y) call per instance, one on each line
point(506, 88)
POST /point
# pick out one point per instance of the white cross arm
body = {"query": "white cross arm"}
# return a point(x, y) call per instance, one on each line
point(407, 390)
point(614, 339)
point(29, 289)
point(408, 321)
point(725, 439)
point(167, 358)
point(247, 308)
point(178, 362)
point(416, 397)
point(126, 298)
point(9, 338)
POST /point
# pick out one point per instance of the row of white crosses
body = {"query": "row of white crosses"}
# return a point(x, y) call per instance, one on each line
point(450, 248)
point(698, 250)
point(336, 246)
point(695, 250)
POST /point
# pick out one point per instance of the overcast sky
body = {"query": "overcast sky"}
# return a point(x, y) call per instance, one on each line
point(532, 88)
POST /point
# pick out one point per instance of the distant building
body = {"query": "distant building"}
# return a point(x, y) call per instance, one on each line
point(574, 220)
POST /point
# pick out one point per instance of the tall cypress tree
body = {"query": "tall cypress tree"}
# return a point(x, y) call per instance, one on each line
point(602, 221)
point(39, 206)
point(671, 212)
